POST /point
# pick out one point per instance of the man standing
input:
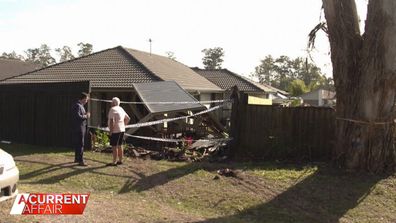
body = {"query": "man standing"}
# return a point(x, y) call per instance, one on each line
point(79, 127)
point(117, 119)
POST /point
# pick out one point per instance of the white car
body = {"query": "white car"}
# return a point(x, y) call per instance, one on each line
point(9, 176)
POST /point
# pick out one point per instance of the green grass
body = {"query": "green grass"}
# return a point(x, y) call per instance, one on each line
point(162, 191)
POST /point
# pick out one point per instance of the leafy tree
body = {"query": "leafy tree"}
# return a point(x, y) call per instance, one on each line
point(328, 84)
point(364, 74)
point(282, 71)
point(85, 49)
point(32, 55)
point(11, 55)
point(297, 87)
point(65, 53)
point(171, 55)
point(265, 72)
point(41, 56)
point(213, 58)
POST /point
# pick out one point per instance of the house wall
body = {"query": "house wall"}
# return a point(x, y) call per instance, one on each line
point(312, 102)
point(99, 110)
point(320, 97)
point(271, 96)
point(94, 107)
point(259, 101)
point(225, 115)
point(205, 97)
point(314, 95)
point(261, 95)
point(222, 113)
point(328, 98)
point(312, 98)
point(219, 113)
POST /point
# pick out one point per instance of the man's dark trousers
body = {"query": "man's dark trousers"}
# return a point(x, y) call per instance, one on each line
point(78, 145)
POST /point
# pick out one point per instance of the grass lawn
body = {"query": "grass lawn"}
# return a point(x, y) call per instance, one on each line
point(162, 191)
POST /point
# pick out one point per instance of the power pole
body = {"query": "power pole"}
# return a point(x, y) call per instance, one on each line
point(150, 45)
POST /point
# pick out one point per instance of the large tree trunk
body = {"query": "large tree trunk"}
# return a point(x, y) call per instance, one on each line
point(364, 70)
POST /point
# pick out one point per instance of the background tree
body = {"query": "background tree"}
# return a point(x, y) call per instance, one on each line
point(282, 71)
point(12, 55)
point(364, 71)
point(265, 72)
point(213, 58)
point(85, 49)
point(41, 56)
point(171, 55)
point(297, 87)
point(65, 53)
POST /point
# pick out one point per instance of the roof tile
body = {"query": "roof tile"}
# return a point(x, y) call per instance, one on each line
point(108, 68)
point(118, 67)
point(168, 70)
point(13, 67)
point(226, 79)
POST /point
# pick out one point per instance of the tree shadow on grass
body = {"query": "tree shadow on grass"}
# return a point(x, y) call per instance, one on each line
point(325, 196)
point(24, 149)
point(45, 170)
point(161, 178)
point(72, 169)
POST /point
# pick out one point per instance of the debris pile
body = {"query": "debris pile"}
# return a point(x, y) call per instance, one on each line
point(226, 172)
point(198, 151)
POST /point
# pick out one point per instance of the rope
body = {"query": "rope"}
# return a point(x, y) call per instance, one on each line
point(169, 140)
point(178, 140)
point(144, 124)
point(365, 122)
point(164, 102)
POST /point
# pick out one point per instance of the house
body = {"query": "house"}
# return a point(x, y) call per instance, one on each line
point(109, 73)
point(226, 79)
point(260, 94)
point(113, 72)
point(13, 67)
point(319, 97)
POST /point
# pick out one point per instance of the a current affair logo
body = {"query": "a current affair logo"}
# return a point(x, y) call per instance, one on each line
point(57, 204)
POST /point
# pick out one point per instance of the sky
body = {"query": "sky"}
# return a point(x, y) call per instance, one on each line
point(247, 30)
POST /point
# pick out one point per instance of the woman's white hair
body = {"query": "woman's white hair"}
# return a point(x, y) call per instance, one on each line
point(115, 101)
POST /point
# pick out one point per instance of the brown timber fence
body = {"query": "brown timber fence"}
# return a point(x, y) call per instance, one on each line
point(38, 114)
point(284, 133)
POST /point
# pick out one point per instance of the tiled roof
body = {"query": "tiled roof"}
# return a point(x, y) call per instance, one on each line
point(168, 70)
point(111, 68)
point(273, 89)
point(13, 67)
point(118, 67)
point(227, 79)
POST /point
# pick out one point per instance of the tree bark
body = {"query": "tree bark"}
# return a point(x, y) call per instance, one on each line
point(364, 70)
